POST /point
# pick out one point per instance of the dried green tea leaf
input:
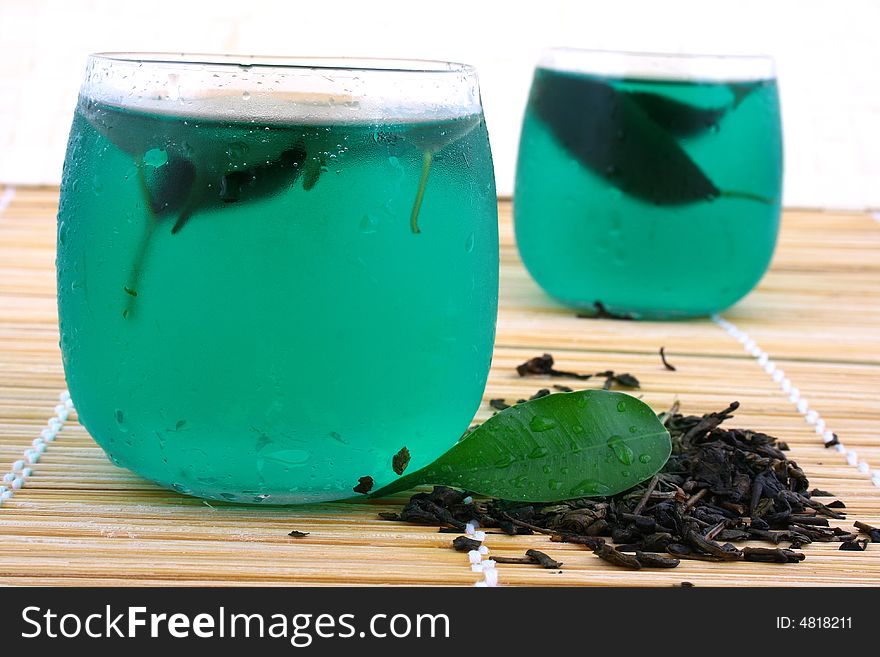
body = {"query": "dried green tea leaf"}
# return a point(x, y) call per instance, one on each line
point(400, 460)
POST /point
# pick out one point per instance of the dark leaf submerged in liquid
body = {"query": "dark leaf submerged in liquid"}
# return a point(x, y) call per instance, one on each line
point(631, 138)
point(184, 170)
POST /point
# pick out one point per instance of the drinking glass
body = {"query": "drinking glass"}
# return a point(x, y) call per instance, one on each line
point(649, 185)
point(275, 274)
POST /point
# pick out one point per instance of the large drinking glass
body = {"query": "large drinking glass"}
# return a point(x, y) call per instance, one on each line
point(649, 185)
point(274, 275)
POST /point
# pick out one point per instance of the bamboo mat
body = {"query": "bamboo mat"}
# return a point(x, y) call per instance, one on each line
point(77, 519)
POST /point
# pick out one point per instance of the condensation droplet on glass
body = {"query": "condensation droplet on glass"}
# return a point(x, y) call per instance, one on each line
point(469, 243)
point(369, 224)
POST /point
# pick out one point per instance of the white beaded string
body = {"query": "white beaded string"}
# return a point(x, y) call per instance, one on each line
point(17, 476)
point(6, 198)
point(479, 559)
point(811, 415)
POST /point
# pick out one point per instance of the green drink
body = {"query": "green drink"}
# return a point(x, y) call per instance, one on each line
point(656, 194)
point(265, 298)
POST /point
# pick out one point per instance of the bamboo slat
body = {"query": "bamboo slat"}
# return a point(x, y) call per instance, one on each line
point(80, 520)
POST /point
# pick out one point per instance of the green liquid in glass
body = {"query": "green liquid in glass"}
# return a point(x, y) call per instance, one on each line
point(659, 199)
point(259, 322)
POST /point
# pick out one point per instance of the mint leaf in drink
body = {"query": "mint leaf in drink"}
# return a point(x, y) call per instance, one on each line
point(431, 139)
point(610, 134)
point(556, 447)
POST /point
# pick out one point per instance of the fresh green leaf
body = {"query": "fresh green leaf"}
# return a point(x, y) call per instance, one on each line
point(561, 446)
point(608, 132)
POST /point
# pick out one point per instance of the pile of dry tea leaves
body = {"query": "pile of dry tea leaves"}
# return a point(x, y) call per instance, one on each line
point(720, 487)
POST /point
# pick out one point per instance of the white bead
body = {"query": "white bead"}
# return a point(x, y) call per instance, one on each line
point(820, 426)
point(26, 472)
point(828, 436)
point(48, 435)
point(852, 457)
point(770, 367)
point(763, 359)
point(811, 417)
point(69, 404)
point(483, 550)
point(18, 465)
point(839, 448)
point(786, 385)
point(491, 576)
point(8, 477)
point(480, 584)
point(17, 483)
point(5, 495)
point(876, 478)
point(795, 395)
point(40, 447)
point(31, 456)
point(470, 528)
point(864, 468)
point(477, 567)
point(479, 536)
point(54, 424)
point(62, 412)
point(37, 441)
point(778, 375)
point(488, 563)
point(803, 405)
point(756, 351)
point(468, 500)
point(64, 396)
point(474, 556)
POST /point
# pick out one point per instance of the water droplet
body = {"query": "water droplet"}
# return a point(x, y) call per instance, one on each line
point(621, 450)
point(644, 458)
point(553, 484)
point(519, 482)
point(546, 469)
point(625, 474)
point(245, 95)
point(156, 157)
point(288, 457)
point(538, 453)
point(469, 243)
point(503, 462)
point(576, 428)
point(621, 406)
point(120, 419)
point(540, 423)
point(446, 468)
point(589, 487)
point(369, 224)
point(633, 429)
point(237, 150)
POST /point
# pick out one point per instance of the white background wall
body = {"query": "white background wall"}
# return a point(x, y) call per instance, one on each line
point(826, 50)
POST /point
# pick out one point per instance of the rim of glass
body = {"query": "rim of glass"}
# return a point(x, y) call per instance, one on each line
point(726, 67)
point(279, 62)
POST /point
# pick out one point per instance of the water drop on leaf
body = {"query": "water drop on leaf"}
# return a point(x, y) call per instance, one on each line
point(621, 450)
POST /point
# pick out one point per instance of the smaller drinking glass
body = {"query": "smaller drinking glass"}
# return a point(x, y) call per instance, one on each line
point(649, 185)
